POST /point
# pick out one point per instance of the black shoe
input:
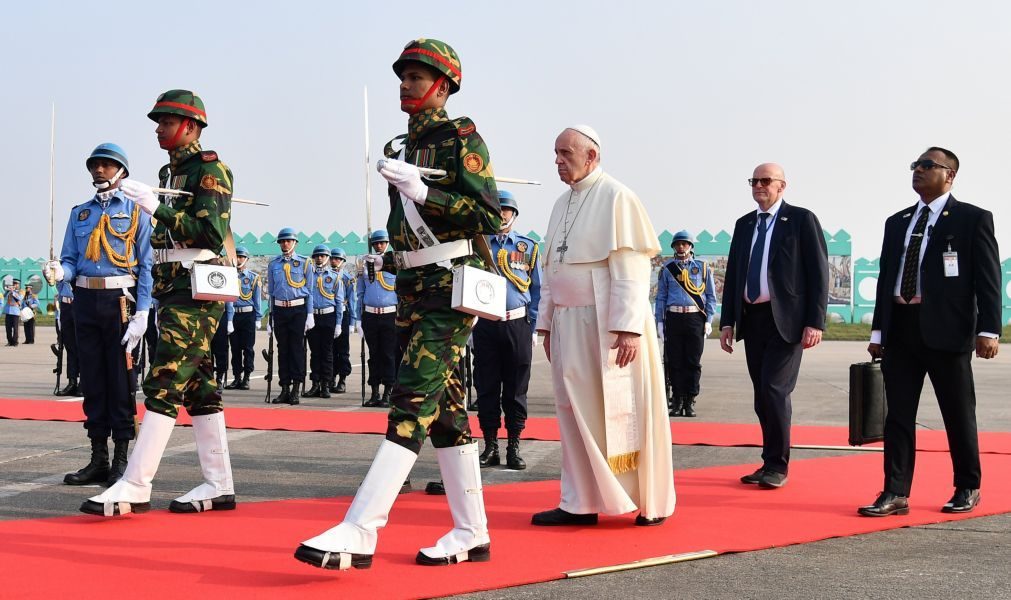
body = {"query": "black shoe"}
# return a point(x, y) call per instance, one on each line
point(384, 402)
point(284, 396)
point(341, 387)
point(72, 389)
point(96, 471)
point(886, 504)
point(197, 506)
point(119, 452)
point(558, 516)
point(374, 398)
point(642, 521)
point(244, 384)
point(435, 488)
point(294, 395)
point(964, 500)
point(772, 480)
point(236, 384)
point(220, 380)
point(513, 459)
point(480, 553)
point(91, 507)
point(688, 407)
point(330, 560)
point(675, 406)
point(490, 456)
point(754, 478)
point(406, 487)
point(313, 391)
point(324, 390)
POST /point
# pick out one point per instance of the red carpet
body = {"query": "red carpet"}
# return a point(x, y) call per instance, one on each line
point(247, 553)
point(684, 432)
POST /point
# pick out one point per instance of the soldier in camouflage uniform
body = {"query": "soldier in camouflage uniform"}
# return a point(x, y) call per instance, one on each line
point(428, 399)
point(187, 229)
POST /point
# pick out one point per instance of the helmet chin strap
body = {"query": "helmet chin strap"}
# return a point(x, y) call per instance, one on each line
point(415, 105)
point(105, 185)
point(174, 142)
point(507, 225)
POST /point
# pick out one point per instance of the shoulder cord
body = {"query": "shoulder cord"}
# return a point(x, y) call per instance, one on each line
point(690, 285)
point(287, 275)
point(99, 239)
point(506, 270)
point(322, 290)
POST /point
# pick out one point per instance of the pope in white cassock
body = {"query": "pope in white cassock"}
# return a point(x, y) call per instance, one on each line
point(602, 344)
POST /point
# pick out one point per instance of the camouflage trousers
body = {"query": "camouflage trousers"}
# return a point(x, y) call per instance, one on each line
point(182, 372)
point(428, 399)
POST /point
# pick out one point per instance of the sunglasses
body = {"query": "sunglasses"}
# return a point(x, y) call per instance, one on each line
point(763, 181)
point(927, 165)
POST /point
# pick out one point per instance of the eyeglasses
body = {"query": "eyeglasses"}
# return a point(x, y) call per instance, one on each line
point(763, 181)
point(927, 165)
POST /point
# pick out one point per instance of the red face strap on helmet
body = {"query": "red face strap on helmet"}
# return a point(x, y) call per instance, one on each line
point(174, 142)
point(415, 105)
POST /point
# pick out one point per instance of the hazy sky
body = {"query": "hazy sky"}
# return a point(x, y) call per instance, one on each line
point(687, 97)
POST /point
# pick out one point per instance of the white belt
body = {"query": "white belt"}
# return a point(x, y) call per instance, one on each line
point(433, 254)
point(323, 311)
point(105, 283)
point(683, 309)
point(289, 303)
point(243, 309)
point(516, 313)
point(380, 310)
point(67, 300)
point(183, 255)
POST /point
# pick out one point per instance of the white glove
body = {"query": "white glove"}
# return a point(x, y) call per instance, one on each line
point(405, 177)
point(310, 321)
point(231, 328)
point(535, 341)
point(709, 329)
point(269, 328)
point(659, 330)
point(135, 330)
point(376, 260)
point(257, 325)
point(53, 271)
point(337, 332)
point(141, 193)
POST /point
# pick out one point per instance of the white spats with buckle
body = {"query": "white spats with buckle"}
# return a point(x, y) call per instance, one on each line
point(462, 556)
point(202, 505)
point(345, 561)
point(110, 508)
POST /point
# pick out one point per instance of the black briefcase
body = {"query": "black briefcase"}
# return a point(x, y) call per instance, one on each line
point(867, 403)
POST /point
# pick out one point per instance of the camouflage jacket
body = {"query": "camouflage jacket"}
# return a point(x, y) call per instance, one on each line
point(461, 205)
point(197, 221)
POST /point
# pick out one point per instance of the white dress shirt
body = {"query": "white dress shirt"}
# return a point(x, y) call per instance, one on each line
point(770, 224)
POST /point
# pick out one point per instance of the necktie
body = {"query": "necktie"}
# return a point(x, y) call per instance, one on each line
point(907, 289)
point(755, 264)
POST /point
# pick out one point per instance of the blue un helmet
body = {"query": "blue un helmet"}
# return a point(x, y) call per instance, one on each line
point(338, 253)
point(241, 252)
point(683, 236)
point(507, 200)
point(379, 235)
point(117, 155)
point(320, 250)
point(287, 233)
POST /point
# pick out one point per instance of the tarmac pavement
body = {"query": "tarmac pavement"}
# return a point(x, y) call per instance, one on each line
point(964, 559)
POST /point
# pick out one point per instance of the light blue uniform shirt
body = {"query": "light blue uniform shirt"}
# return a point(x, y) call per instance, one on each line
point(670, 293)
point(278, 284)
point(523, 264)
point(12, 303)
point(249, 284)
point(84, 219)
point(374, 294)
point(328, 283)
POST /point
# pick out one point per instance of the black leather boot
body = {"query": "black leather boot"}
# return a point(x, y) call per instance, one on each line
point(244, 384)
point(341, 386)
point(293, 396)
point(313, 390)
point(236, 384)
point(220, 379)
point(513, 459)
point(490, 457)
point(676, 403)
point(284, 396)
point(72, 389)
point(374, 398)
point(385, 401)
point(96, 471)
point(119, 452)
point(324, 390)
point(689, 406)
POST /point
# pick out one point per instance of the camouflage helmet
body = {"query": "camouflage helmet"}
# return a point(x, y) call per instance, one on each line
point(338, 253)
point(320, 250)
point(241, 252)
point(111, 152)
point(683, 236)
point(506, 200)
point(379, 235)
point(438, 55)
point(286, 233)
point(183, 103)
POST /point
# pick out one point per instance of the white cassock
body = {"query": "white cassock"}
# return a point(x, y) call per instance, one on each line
point(615, 431)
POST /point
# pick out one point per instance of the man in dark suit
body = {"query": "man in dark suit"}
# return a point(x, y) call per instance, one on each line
point(938, 299)
point(775, 295)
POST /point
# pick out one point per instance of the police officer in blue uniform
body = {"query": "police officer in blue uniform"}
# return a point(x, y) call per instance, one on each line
point(247, 312)
point(219, 345)
point(377, 313)
point(65, 308)
point(684, 308)
point(30, 301)
point(342, 343)
point(503, 349)
point(12, 311)
point(290, 284)
point(328, 308)
point(107, 257)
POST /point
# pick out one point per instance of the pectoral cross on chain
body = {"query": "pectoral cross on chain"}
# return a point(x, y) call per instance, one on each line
point(562, 249)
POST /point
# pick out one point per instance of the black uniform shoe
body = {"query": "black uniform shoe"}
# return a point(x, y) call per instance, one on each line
point(293, 396)
point(244, 384)
point(558, 516)
point(313, 391)
point(72, 389)
point(220, 380)
point(490, 457)
point(341, 387)
point(324, 390)
point(374, 398)
point(754, 478)
point(675, 406)
point(97, 508)
point(964, 500)
point(480, 553)
point(197, 506)
point(772, 480)
point(513, 459)
point(642, 521)
point(886, 504)
point(284, 396)
point(236, 384)
point(435, 488)
point(387, 392)
point(688, 408)
point(96, 471)
point(330, 560)
point(119, 453)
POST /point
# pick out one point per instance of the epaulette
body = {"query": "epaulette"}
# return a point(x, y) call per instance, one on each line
point(208, 156)
point(464, 126)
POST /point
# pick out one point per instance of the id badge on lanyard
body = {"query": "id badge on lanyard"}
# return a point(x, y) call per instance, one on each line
point(950, 262)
